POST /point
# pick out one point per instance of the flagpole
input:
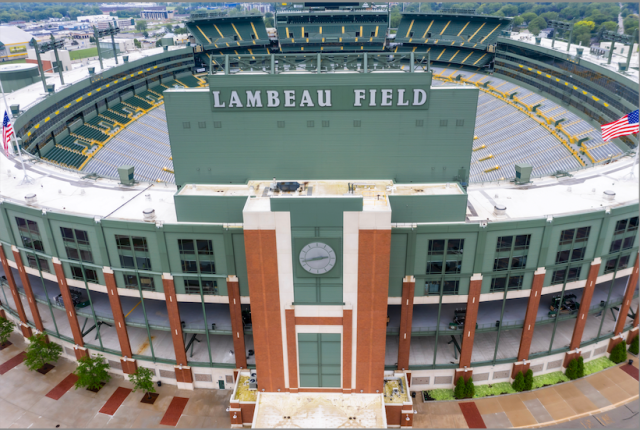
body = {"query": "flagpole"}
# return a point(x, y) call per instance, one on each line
point(26, 180)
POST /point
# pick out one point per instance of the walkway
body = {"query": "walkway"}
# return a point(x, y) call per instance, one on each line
point(599, 393)
point(24, 402)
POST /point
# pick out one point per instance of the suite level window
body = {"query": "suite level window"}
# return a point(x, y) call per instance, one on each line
point(133, 252)
point(33, 261)
point(196, 256)
point(618, 263)
point(449, 287)
point(445, 256)
point(626, 225)
point(192, 286)
point(30, 234)
point(572, 245)
point(91, 275)
point(509, 283)
point(76, 244)
point(624, 235)
point(572, 274)
point(131, 281)
point(511, 252)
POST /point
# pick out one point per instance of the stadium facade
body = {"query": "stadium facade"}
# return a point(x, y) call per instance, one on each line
point(333, 222)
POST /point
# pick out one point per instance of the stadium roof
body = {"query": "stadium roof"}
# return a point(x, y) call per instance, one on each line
point(10, 35)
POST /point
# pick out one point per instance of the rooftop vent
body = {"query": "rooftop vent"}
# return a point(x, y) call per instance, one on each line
point(125, 58)
point(538, 39)
point(499, 210)
point(92, 71)
point(51, 88)
point(15, 110)
point(149, 214)
point(609, 195)
point(580, 51)
point(31, 199)
point(622, 67)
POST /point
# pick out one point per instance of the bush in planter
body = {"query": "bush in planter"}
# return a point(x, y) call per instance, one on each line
point(141, 380)
point(633, 348)
point(518, 382)
point(6, 328)
point(618, 353)
point(92, 372)
point(580, 368)
point(528, 380)
point(469, 389)
point(460, 389)
point(572, 369)
point(40, 352)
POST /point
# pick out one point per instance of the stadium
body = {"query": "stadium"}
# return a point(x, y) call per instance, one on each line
point(336, 211)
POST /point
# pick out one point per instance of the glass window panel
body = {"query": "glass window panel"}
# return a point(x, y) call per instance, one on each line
point(455, 246)
point(574, 274)
point(621, 226)
point(82, 237)
point(558, 276)
point(130, 281)
point(562, 256)
point(450, 287)
point(504, 243)
point(522, 241)
point(453, 266)
point(207, 267)
point(615, 246)
point(519, 262)
point(72, 253)
point(434, 267)
point(567, 236)
point(86, 256)
point(611, 265)
point(186, 245)
point(123, 242)
point(436, 247)
point(37, 245)
point(578, 254)
point(146, 283)
point(633, 224)
point(91, 275)
point(140, 244)
point(76, 273)
point(432, 288)
point(515, 282)
point(22, 223)
point(501, 264)
point(67, 233)
point(628, 242)
point(582, 234)
point(144, 263)
point(189, 266)
point(205, 247)
point(126, 261)
point(624, 262)
point(33, 227)
point(498, 284)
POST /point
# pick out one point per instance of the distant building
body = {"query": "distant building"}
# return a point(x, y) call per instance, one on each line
point(158, 13)
point(14, 43)
point(49, 60)
point(94, 18)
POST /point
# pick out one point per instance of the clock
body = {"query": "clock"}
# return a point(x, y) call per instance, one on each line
point(317, 258)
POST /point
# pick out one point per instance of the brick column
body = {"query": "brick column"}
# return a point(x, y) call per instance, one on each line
point(183, 372)
point(347, 350)
point(585, 303)
point(292, 349)
point(237, 328)
point(529, 323)
point(70, 309)
point(406, 320)
point(626, 302)
point(264, 292)
point(33, 305)
point(26, 330)
point(471, 317)
point(374, 249)
point(406, 412)
point(129, 365)
point(634, 331)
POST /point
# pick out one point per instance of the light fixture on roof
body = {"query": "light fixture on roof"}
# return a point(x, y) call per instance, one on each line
point(97, 219)
point(549, 218)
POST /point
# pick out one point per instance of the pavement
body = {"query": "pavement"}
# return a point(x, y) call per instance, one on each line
point(31, 400)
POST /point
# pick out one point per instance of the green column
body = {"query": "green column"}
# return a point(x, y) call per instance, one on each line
point(34, 43)
point(58, 63)
point(97, 37)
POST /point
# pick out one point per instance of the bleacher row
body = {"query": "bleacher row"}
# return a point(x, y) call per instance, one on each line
point(234, 32)
point(418, 27)
point(144, 144)
point(448, 54)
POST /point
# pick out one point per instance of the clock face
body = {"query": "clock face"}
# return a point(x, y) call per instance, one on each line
point(317, 258)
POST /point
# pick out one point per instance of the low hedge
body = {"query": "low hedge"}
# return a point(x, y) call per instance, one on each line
point(441, 394)
point(549, 379)
point(597, 365)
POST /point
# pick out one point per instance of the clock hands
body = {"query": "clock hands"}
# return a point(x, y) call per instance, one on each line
point(317, 258)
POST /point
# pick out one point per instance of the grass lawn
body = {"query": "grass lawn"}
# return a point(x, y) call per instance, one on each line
point(83, 53)
point(23, 60)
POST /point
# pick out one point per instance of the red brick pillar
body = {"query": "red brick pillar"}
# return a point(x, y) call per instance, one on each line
point(406, 416)
point(237, 328)
point(33, 305)
point(26, 330)
point(626, 302)
point(471, 317)
point(585, 303)
point(264, 292)
point(70, 309)
point(183, 372)
point(529, 323)
point(374, 250)
point(634, 331)
point(129, 365)
point(292, 349)
point(406, 320)
point(347, 350)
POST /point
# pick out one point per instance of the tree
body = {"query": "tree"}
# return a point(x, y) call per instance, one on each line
point(633, 348)
point(572, 369)
point(528, 16)
point(517, 21)
point(580, 368)
point(536, 25)
point(6, 328)
point(630, 23)
point(158, 43)
point(141, 380)
point(618, 353)
point(469, 389)
point(509, 10)
point(609, 25)
point(549, 15)
point(582, 32)
point(137, 43)
point(92, 372)
point(528, 380)
point(169, 28)
point(460, 389)
point(518, 382)
point(41, 352)
point(141, 25)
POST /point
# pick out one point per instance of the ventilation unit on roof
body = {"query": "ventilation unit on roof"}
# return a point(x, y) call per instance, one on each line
point(126, 175)
point(149, 214)
point(499, 210)
point(609, 195)
point(31, 199)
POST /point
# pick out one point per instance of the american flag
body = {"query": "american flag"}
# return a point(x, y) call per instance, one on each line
point(7, 132)
point(628, 124)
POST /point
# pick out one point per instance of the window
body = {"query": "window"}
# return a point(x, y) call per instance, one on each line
point(566, 237)
point(419, 123)
point(33, 263)
point(30, 234)
point(373, 34)
point(76, 273)
point(306, 34)
point(615, 246)
point(131, 281)
point(280, 124)
point(202, 124)
point(511, 252)
point(196, 256)
point(290, 35)
point(617, 263)
point(325, 123)
point(310, 124)
point(504, 243)
point(253, 36)
point(192, 286)
point(628, 242)
point(633, 224)
point(621, 226)
point(217, 124)
point(186, 124)
point(506, 283)
point(572, 274)
point(459, 123)
point(444, 122)
point(450, 262)
point(410, 33)
point(76, 244)
point(357, 34)
point(582, 234)
point(134, 254)
point(627, 229)
point(449, 287)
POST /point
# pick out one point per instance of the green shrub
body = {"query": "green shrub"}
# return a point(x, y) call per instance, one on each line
point(597, 365)
point(142, 380)
point(459, 391)
point(493, 389)
point(441, 394)
point(469, 389)
point(572, 369)
point(618, 353)
point(518, 382)
point(549, 379)
point(528, 380)
point(580, 368)
point(92, 372)
point(6, 328)
point(633, 348)
point(41, 352)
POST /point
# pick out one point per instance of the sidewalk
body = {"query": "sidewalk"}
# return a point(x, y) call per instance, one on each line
point(594, 394)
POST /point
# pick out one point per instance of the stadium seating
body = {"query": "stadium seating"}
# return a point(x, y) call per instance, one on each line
point(115, 117)
point(230, 31)
point(65, 158)
point(190, 81)
point(90, 133)
point(476, 29)
point(137, 102)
